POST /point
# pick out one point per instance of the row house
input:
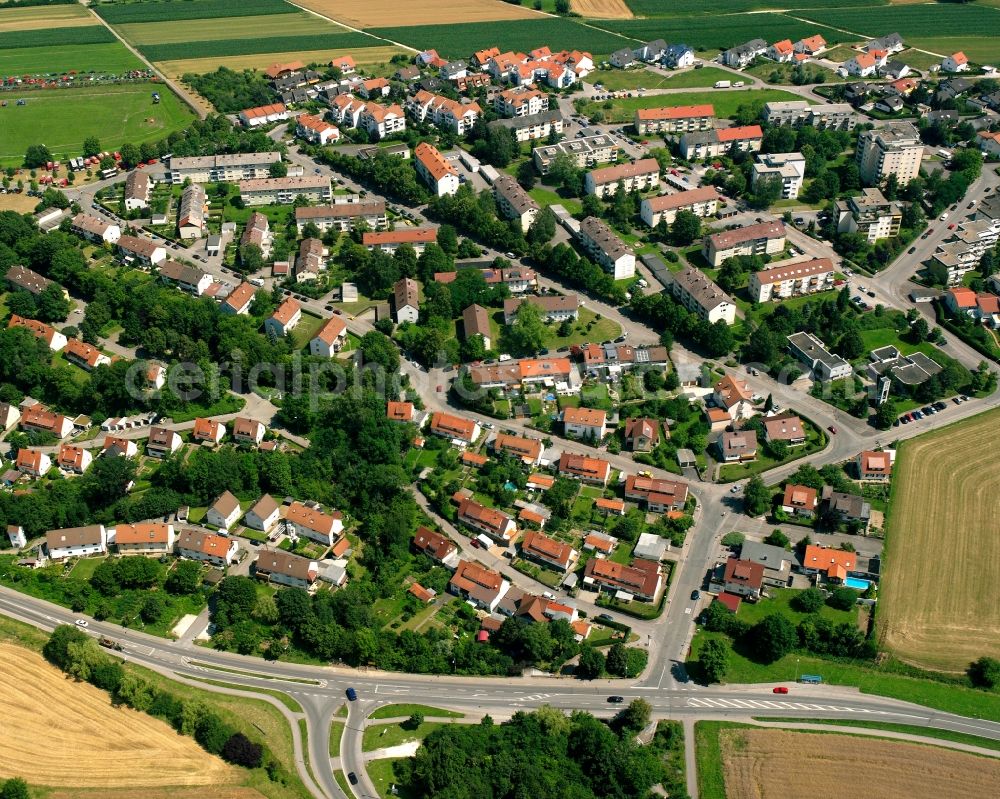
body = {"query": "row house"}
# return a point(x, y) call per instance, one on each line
point(791, 278)
point(699, 294)
point(642, 580)
point(553, 308)
point(611, 359)
point(494, 523)
point(75, 542)
point(527, 371)
point(659, 496)
point(520, 102)
point(713, 143)
point(593, 471)
point(258, 234)
point(585, 152)
point(55, 340)
point(962, 253)
point(20, 277)
point(605, 247)
point(642, 175)
point(312, 523)
point(226, 168)
point(141, 251)
point(678, 119)
point(443, 112)
point(147, 538)
point(548, 552)
point(435, 170)
point(531, 127)
point(208, 547)
point(763, 238)
point(329, 339)
point(40, 419)
point(94, 229)
point(343, 216)
point(316, 130)
point(388, 241)
point(456, 428)
point(263, 115)
point(513, 202)
point(284, 191)
point(381, 121)
point(703, 202)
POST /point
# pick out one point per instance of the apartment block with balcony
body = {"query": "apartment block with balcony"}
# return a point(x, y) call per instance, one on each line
point(870, 214)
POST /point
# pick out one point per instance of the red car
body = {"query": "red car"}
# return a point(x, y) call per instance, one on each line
point(781, 689)
point(951, 226)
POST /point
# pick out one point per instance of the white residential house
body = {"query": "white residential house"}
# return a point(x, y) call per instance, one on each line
point(302, 520)
point(224, 512)
point(72, 542)
point(10, 415)
point(406, 294)
point(956, 62)
point(286, 317)
point(435, 170)
point(248, 431)
point(588, 423)
point(330, 339)
point(219, 550)
point(32, 462)
point(162, 442)
point(16, 536)
point(264, 514)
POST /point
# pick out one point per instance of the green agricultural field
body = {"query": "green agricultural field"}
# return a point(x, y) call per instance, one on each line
point(618, 79)
point(979, 49)
point(458, 41)
point(198, 30)
point(725, 102)
point(160, 10)
point(108, 58)
point(114, 114)
point(55, 37)
point(721, 31)
point(264, 44)
point(683, 8)
point(913, 21)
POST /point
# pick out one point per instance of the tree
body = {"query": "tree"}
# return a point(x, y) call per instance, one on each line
point(37, 155)
point(15, 788)
point(985, 672)
point(886, 415)
point(130, 155)
point(591, 663)
point(278, 170)
point(616, 660)
point(562, 6)
point(756, 499)
point(414, 721)
point(543, 228)
point(842, 599)
point(91, 146)
point(714, 660)
point(526, 175)
point(632, 719)
point(242, 751)
point(527, 333)
point(919, 330)
point(447, 239)
point(773, 637)
point(777, 538)
point(851, 345)
point(685, 228)
point(808, 601)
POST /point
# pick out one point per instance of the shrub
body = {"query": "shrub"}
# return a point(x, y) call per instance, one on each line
point(242, 751)
point(809, 601)
point(842, 599)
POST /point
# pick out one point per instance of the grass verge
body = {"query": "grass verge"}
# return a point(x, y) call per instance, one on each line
point(284, 698)
point(336, 733)
point(399, 711)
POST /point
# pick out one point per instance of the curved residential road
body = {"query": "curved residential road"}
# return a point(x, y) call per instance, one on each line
point(320, 691)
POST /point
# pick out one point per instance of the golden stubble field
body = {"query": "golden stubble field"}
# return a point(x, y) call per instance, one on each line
point(392, 13)
point(780, 764)
point(59, 733)
point(602, 9)
point(939, 606)
point(43, 17)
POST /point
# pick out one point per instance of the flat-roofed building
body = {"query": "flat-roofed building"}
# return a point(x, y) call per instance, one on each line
point(789, 169)
point(343, 216)
point(703, 202)
point(763, 238)
point(811, 351)
point(678, 119)
point(284, 191)
point(227, 168)
point(639, 176)
point(791, 278)
point(870, 214)
point(799, 113)
point(513, 202)
point(700, 295)
point(895, 149)
point(607, 250)
point(585, 152)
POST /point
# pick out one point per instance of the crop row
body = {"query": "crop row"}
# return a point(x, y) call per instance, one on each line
point(55, 37)
point(915, 20)
point(118, 13)
point(683, 8)
point(271, 44)
point(460, 40)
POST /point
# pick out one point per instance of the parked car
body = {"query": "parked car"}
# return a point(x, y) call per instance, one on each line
point(696, 594)
point(780, 689)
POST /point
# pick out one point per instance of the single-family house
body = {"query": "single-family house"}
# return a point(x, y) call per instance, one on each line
point(303, 520)
point(117, 447)
point(74, 459)
point(744, 578)
point(210, 430)
point(86, 356)
point(248, 431)
point(224, 512)
point(733, 396)
point(436, 546)
point(738, 446)
point(10, 415)
point(263, 515)
point(162, 442)
point(548, 552)
point(659, 496)
point(219, 550)
point(476, 584)
point(785, 427)
point(286, 317)
point(494, 523)
point(476, 322)
point(316, 129)
point(642, 434)
point(16, 536)
point(956, 62)
point(284, 568)
point(32, 462)
point(330, 338)
point(74, 542)
point(873, 466)
point(594, 471)
point(528, 450)
point(800, 500)
point(835, 564)
point(844, 506)
point(585, 423)
point(146, 538)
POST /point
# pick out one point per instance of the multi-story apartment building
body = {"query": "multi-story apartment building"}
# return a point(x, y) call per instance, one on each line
point(553, 308)
point(382, 120)
point(869, 214)
point(642, 175)
point(227, 168)
point(798, 113)
point(520, 102)
point(678, 119)
point(703, 202)
point(696, 292)
point(788, 168)
point(435, 170)
point(390, 240)
point(961, 254)
point(513, 202)
point(343, 216)
point(267, 191)
point(532, 126)
point(712, 143)
point(764, 238)
point(895, 149)
point(607, 250)
point(585, 152)
point(810, 351)
point(443, 112)
point(791, 278)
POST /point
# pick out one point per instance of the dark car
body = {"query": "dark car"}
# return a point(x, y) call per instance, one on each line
point(352, 695)
point(870, 293)
point(696, 594)
point(911, 250)
point(604, 617)
point(616, 700)
point(352, 777)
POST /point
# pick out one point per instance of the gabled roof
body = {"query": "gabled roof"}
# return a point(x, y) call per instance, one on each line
point(143, 533)
point(731, 390)
point(432, 543)
point(676, 112)
point(286, 311)
point(264, 507)
point(226, 504)
point(332, 329)
point(497, 521)
point(311, 519)
point(592, 417)
point(453, 426)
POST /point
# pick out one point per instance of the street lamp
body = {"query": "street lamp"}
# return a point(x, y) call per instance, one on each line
point(796, 669)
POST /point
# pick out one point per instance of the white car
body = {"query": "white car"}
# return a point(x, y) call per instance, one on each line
point(82, 623)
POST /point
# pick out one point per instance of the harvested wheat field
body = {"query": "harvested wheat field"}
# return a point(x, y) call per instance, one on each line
point(602, 9)
point(364, 55)
point(218, 792)
point(63, 734)
point(779, 764)
point(938, 603)
point(43, 17)
point(379, 13)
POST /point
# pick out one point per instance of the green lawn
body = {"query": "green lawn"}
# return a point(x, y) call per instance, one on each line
point(399, 711)
point(545, 197)
point(587, 328)
point(780, 601)
point(725, 102)
point(382, 774)
point(85, 568)
point(306, 330)
point(708, 755)
point(336, 732)
point(114, 114)
point(618, 79)
point(382, 736)
point(111, 57)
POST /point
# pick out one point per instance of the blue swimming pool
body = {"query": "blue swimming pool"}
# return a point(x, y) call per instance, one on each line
point(857, 583)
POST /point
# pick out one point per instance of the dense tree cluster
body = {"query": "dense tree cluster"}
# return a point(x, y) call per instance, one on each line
point(673, 320)
point(388, 175)
point(476, 215)
point(230, 91)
